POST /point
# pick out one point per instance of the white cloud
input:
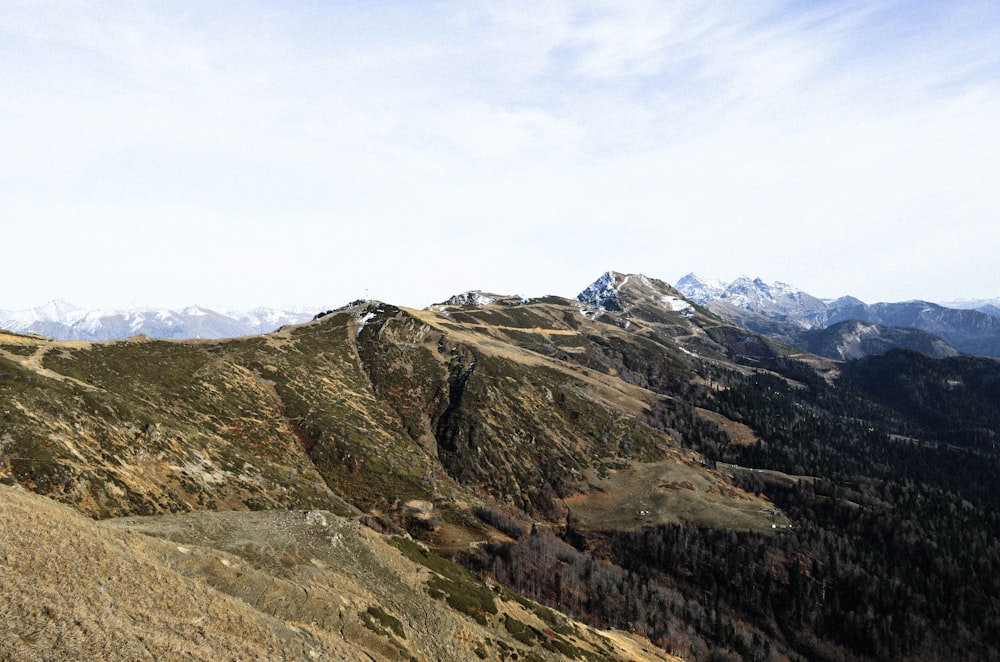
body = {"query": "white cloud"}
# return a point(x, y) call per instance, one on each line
point(481, 132)
point(581, 136)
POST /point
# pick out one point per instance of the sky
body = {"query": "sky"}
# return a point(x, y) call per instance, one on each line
point(306, 152)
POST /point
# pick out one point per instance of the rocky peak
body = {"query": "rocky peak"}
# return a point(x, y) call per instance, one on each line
point(700, 290)
point(603, 292)
point(618, 292)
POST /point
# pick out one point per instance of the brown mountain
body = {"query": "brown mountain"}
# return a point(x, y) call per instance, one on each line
point(396, 484)
point(434, 421)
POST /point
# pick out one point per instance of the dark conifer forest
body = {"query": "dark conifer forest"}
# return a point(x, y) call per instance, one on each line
point(889, 475)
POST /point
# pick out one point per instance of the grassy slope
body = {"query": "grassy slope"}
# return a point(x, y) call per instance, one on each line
point(234, 586)
point(519, 401)
point(365, 410)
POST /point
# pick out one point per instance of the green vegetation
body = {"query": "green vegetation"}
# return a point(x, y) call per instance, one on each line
point(557, 432)
point(20, 350)
point(524, 633)
point(463, 590)
point(378, 620)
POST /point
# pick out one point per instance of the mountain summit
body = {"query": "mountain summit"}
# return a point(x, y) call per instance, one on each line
point(621, 292)
point(752, 294)
point(700, 290)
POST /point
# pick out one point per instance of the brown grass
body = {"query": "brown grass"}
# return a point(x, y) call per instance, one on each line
point(614, 393)
point(667, 492)
point(739, 433)
point(72, 591)
point(232, 586)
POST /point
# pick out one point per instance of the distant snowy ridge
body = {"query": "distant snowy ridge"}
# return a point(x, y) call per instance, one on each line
point(786, 313)
point(701, 290)
point(61, 320)
point(752, 294)
point(988, 306)
point(477, 299)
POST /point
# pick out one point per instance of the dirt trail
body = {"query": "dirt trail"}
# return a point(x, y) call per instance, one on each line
point(34, 363)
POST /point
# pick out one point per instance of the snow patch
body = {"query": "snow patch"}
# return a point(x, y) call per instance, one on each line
point(470, 298)
point(677, 305)
point(363, 321)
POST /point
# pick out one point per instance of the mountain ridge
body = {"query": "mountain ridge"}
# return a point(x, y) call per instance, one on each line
point(61, 320)
point(654, 468)
point(795, 317)
point(776, 309)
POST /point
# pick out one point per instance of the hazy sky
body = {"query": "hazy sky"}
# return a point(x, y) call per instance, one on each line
point(314, 152)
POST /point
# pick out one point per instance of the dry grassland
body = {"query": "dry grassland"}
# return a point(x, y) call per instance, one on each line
point(274, 585)
point(739, 433)
point(668, 492)
point(73, 590)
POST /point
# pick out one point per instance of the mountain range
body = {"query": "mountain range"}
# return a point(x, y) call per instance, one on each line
point(61, 320)
point(847, 328)
point(622, 475)
point(844, 328)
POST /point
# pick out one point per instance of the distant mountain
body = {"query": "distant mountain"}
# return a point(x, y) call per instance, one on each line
point(775, 299)
point(970, 331)
point(990, 309)
point(61, 320)
point(988, 306)
point(478, 299)
point(790, 315)
point(854, 339)
point(701, 290)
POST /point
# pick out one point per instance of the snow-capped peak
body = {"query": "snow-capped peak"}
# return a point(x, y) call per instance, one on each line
point(603, 292)
point(700, 290)
point(607, 293)
point(747, 293)
point(57, 310)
